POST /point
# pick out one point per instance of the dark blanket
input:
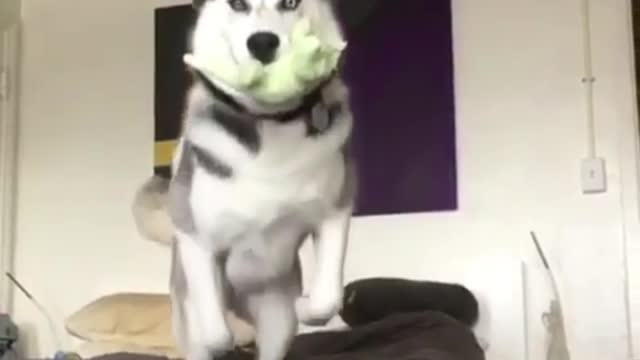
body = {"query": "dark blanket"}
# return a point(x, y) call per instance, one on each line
point(370, 300)
point(409, 336)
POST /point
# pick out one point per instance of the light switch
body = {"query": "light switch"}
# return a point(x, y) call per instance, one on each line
point(594, 176)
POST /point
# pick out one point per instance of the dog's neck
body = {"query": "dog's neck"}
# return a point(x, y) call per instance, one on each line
point(230, 100)
point(269, 146)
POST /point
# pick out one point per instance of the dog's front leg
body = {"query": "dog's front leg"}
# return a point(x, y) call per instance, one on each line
point(326, 293)
point(208, 333)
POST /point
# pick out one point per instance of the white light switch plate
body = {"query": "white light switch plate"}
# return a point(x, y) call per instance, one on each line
point(594, 176)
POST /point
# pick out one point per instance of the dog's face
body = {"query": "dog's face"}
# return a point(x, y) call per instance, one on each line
point(260, 29)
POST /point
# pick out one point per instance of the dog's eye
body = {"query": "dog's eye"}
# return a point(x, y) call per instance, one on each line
point(239, 5)
point(289, 4)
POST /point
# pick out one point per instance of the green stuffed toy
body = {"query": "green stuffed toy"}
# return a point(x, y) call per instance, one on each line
point(308, 62)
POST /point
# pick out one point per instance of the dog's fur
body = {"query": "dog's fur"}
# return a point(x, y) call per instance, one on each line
point(250, 182)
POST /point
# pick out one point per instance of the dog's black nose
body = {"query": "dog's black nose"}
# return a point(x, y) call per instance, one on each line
point(263, 46)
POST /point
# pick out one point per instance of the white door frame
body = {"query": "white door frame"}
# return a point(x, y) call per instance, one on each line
point(8, 156)
point(629, 155)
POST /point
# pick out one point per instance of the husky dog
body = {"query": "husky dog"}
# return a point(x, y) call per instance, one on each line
point(250, 182)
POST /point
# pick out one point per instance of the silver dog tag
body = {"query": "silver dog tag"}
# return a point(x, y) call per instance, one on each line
point(320, 117)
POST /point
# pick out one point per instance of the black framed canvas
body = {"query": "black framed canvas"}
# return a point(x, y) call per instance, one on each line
point(399, 67)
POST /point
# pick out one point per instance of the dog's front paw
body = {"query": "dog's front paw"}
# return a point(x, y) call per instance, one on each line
point(318, 310)
point(211, 349)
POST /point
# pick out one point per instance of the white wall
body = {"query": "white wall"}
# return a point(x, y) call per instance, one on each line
point(86, 144)
point(9, 13)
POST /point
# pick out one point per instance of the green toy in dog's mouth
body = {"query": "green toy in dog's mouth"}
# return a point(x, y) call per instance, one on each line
point(306, 63)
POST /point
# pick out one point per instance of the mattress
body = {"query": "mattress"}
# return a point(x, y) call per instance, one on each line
point(429, 335)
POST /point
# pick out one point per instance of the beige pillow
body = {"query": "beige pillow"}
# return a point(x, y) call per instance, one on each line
point(89, 350)
point(138, 320)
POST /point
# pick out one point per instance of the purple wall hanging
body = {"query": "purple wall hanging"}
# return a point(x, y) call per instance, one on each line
point(399, 67)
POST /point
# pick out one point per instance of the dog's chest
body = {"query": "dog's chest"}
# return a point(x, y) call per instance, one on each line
point(291, 174)
point(261, 199)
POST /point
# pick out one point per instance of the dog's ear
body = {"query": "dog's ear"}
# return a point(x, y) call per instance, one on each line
point(353, 14)
point(197, 4)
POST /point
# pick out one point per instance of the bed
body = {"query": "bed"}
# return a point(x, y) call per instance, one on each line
point(387, 319)
point(410, 336)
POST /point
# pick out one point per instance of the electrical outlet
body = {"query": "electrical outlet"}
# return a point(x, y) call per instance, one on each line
point(594, 176)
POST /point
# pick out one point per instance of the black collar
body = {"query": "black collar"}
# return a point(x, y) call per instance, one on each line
point(305, 107)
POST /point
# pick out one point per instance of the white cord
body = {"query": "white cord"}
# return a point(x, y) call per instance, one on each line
point(553, 320)
point(50, 323)
point(589, 79)
point(554, 323)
